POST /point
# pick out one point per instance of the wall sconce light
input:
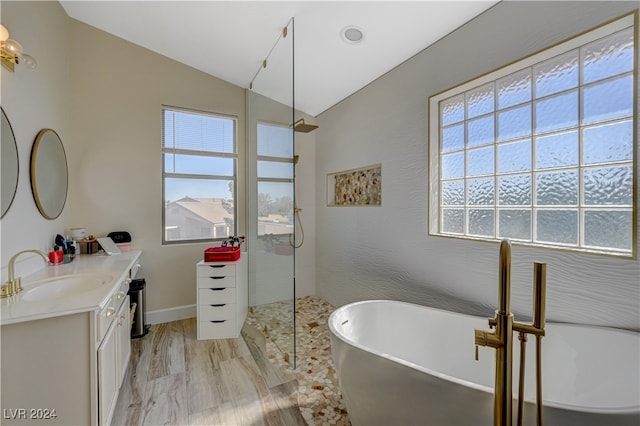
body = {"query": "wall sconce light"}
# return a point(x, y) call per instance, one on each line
point(11, 52)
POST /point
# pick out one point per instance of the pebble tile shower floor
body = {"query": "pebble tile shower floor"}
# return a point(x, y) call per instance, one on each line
point(173, 378)
point(319, 395)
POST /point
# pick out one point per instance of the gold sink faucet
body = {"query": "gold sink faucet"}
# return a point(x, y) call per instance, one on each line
point(14, 285)
point(502, 341)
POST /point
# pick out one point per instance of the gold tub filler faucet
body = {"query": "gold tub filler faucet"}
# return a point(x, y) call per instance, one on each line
point(502, 341)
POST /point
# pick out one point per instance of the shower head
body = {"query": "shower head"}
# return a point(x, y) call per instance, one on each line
point(301, 126)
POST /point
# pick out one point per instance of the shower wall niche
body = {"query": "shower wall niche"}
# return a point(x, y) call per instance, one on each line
point(355, 187)
point(271, 183)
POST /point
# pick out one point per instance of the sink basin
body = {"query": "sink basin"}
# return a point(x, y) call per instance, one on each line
point(64, 286)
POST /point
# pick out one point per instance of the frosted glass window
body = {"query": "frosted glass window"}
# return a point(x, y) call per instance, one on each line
point(608, 229)
point(453, 192)
point(481, 222)
point(480, 161)
point(514, 123)
point(543, 150)
point(608, 100)
point(557, 188)
point(453, 138)
point(557, 150)
point(514, 157)
point(199, 162)
point(480, 131)
point(608, 186)
point(453, 165)
point(480, 101)
point(608, 143)
point(515, 224)
point(557, 226)
point(515, 190)
point(514, 89)
point(453, 221)
point(481, 191)
point(452, 110)
point(557, 113)
point(608, 56)
point(557, 74)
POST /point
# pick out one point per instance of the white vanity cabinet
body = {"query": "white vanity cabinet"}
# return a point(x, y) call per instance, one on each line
point(64, 360)
point(114, 350)
point(222, 298)
point(107, 376)
point(123, 323)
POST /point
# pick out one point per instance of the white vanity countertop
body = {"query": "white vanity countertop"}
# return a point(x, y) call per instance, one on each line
point(14, 309)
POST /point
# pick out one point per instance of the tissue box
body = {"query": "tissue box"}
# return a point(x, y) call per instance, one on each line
point(222, 254)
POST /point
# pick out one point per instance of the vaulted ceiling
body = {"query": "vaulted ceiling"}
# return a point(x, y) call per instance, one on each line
point(230, 39)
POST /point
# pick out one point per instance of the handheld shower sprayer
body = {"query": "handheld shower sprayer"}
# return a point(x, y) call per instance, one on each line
point(296, 215)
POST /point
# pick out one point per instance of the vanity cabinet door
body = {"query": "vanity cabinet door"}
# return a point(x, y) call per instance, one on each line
point(107, 376)
point(123, 325)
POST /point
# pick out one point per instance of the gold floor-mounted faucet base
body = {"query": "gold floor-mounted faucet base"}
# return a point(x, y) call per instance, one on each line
point(502, 340)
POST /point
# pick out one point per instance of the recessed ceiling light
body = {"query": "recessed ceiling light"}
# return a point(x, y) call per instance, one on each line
point(352, 34)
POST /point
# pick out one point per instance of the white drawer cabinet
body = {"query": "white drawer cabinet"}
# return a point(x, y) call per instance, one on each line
point(114, 350)
point(222, 298)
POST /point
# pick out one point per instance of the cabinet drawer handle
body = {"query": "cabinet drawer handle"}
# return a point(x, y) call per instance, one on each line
point(217, 288)
point(217, 266)
point(217, 321)
point(216, 278)
point(110, 311)
point(219, 305)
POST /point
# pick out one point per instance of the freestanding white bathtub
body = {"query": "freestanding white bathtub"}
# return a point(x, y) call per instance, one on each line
point(405, 364)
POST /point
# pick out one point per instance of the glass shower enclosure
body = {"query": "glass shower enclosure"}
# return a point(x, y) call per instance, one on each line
point(270, 183)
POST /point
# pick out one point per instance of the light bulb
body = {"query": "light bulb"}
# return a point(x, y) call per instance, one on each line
point(28, 61)
point(4, 33)
point(12, 46)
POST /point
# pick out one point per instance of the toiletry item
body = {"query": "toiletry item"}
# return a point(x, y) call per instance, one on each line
point(56, 255)
point(78, 234)
point(61, 242)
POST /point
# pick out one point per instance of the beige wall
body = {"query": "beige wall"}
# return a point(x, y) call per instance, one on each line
point(33, 100)
point(117, 92)
point(103, 96)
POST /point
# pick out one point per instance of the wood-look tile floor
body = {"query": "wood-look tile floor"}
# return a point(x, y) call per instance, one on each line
point(175, 379)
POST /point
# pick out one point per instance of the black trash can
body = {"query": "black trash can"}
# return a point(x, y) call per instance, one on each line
point(139, 328)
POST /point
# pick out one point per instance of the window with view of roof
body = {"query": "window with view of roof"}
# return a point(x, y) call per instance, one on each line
point(199, 152)
point(542, 151)
point(275, 179)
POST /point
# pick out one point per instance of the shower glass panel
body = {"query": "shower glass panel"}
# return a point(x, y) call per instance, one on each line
point(270, 177)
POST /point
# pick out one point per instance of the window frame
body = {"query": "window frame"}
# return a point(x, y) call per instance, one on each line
point(213, 154)
point(435, 156)
point(275, 159)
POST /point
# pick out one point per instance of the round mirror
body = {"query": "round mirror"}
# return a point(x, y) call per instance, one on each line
point(10, 167)
point(49, 176)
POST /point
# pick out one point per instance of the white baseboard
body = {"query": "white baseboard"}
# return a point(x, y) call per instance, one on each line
point(171, 314)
